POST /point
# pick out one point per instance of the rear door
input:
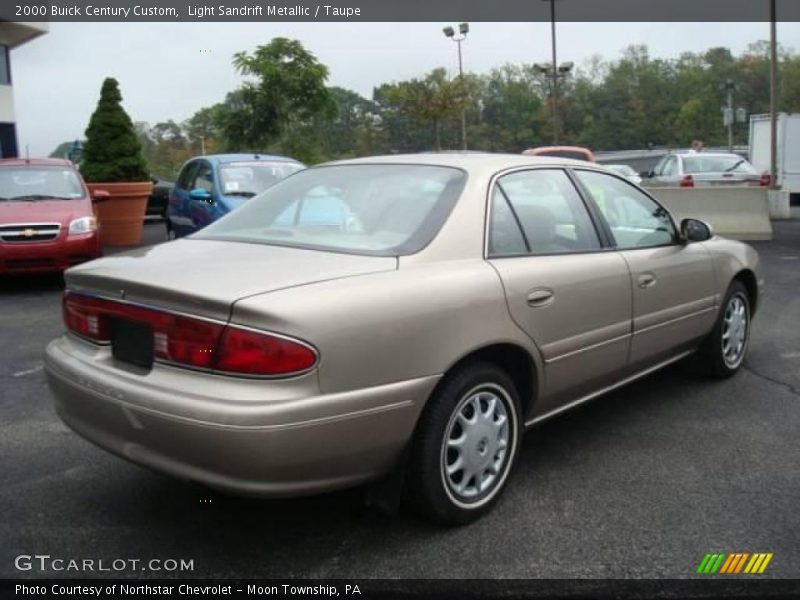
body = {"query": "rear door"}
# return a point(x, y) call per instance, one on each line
point(563, 285)
point(674, 297)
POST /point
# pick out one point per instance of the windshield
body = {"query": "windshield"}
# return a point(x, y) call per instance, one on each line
point(717, 164)
point(383, 210)
point(251, 178)
point(31, 182)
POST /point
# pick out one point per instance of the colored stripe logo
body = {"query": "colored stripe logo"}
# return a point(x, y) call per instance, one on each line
point(734, 563)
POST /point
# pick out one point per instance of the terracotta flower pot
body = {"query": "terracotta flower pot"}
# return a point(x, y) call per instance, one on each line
point(121, 216)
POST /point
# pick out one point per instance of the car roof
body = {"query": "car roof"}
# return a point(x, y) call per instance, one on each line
point(36, 162)
point(468, 161)
point(255, 156)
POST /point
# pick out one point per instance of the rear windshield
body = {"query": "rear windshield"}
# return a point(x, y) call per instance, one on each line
point(573, 154)
point(250, 178)
point(39, 183)
point(716, 164)
point(383, 210)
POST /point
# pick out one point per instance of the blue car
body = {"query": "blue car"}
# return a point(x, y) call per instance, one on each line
point(209, 187)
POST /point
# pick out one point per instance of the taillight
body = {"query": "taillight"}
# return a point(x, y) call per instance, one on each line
point(84, 316)
point(190, 341)
point(255, 353)
point(687, 181)
point(765, 180)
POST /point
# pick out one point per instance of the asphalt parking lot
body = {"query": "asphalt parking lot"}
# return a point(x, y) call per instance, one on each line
point(641, 483)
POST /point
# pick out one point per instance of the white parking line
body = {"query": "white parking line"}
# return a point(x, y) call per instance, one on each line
point(27, 372)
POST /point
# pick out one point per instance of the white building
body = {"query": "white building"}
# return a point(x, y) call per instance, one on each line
point(12, 34)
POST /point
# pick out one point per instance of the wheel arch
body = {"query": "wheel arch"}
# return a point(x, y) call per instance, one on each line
point(515, 360)
point(748, 278)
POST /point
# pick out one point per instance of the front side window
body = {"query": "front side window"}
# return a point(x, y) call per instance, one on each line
point(374, 209)
point(39, 183)
point(636, 221)
point(186, 178)
point(204, 178)
point(547, 211)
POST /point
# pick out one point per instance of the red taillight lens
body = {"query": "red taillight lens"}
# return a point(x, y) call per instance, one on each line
point(687, 181)
point(84, 316)
point(765, 180)
point(256, 353)
point(190, 341)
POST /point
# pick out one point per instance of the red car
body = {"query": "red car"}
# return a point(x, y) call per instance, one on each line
point(47, 221)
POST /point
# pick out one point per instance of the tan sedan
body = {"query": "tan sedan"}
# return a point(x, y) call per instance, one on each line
point(406, 312)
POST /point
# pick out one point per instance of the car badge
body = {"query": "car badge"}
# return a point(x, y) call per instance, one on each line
point(29, 233)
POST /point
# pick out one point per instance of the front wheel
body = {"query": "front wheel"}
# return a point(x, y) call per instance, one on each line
point(465, 444)
point(724, 349)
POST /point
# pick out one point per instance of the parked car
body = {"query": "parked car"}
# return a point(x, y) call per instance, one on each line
point(415, 333)
point(159, 200)
point(694, 169)
point(209, 187)
point(47, 222)
point(627, 172)
point(574, 152)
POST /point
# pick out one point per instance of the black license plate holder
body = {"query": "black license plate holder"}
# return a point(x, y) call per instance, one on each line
point(132, 342)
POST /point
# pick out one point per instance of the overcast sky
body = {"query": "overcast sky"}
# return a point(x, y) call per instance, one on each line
point(168, 71)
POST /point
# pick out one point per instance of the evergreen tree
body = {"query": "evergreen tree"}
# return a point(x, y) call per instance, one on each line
point(113, 152)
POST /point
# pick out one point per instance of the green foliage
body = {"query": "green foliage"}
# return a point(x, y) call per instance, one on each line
point(631, 102)
point(113, 152)
point(287, 93)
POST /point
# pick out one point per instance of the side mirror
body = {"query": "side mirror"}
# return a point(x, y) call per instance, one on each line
point(100, 196)
point(695, 230)
point(648, 174)
point(200, 194)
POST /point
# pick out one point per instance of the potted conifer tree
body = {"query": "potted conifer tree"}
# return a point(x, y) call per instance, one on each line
point(113, 162)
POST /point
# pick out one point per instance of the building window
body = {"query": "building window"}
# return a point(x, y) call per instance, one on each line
point(5, 66)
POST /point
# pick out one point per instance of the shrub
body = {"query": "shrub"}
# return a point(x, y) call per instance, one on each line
point(112, 152)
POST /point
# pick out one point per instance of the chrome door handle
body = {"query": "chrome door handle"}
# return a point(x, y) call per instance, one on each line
point(647, 280)
point(540, 297)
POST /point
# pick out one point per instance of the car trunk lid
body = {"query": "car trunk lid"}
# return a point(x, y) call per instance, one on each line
point(205, 277)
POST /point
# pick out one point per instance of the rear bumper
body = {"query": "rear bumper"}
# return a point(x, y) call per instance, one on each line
point(281, 442)
point(56, 255)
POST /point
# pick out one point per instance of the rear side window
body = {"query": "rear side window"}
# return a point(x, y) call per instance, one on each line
point(546, 211)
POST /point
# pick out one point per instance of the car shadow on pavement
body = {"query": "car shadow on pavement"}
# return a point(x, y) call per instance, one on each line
point(24, 285)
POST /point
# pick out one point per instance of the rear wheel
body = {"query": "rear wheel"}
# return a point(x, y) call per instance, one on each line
point(465, 444)
point(724, 349)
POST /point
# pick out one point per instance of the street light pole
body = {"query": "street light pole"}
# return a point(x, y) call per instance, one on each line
point(463, 29)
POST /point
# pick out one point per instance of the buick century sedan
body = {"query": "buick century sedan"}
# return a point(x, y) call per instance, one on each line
point(447, 303)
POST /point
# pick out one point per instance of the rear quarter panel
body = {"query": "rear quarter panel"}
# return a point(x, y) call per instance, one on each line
point(389, 327)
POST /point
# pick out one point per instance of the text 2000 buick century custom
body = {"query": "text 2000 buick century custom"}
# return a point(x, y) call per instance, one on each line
point(425, 306)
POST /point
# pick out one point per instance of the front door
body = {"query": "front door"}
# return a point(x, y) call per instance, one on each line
point(564, 287)
point(674, 297)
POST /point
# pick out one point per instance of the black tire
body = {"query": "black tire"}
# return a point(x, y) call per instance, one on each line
point(713, 358)
point(430, 489)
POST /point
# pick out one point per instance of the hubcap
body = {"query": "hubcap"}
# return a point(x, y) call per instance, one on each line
point(475, 449)
point(734, 331)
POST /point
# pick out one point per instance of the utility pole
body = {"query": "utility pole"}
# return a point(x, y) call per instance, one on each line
point(555, 71)
point(773, 101)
